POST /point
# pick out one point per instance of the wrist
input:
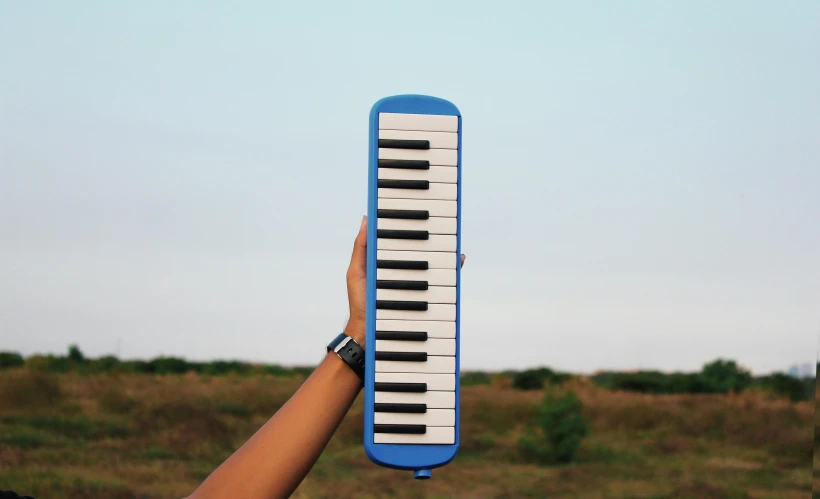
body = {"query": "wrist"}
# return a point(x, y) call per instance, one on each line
point(355, 329)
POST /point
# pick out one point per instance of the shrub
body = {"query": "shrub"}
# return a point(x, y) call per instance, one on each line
point(75, 355)
point(105, 364)
point(169, 365)
point(534, 379)
point(527, 380)
point(562, 428)
point(724, 376)
point(642, 381)
point(785, 385)
point(218, 367)
point(48, 363)
point(475, 378)
point(11, 359)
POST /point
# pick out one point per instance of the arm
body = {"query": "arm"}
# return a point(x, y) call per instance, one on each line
point(275, 460)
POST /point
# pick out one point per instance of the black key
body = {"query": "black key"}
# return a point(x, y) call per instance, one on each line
point(412, 285)
point(402, 234)
point(402, 335)
point(421, 185)
point(401, 387)
point(405, 164)
point(404, 214)
point(401, 264)
point(419, 306)
point(402, 356)
point(405, 408)
point(404, 144)
point(406, 429)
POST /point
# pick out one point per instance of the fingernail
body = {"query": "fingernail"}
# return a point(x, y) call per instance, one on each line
point(364, 220)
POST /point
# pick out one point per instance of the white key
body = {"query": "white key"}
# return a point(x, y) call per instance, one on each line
point(436, 225)
point(433, 417)
point(435, 242)
point(438, 140)
point(434, 435)
point(433, 294)
point(435, 260)
point(439, 365)
point(434, 312)
point(435, 382)
point(433, 400)
point(434, 277)
point(436, 157)
point(433, 346)
point(421, 122)
point(434, 329)
point(440, 174)
point(437, 208)
point(435, 191)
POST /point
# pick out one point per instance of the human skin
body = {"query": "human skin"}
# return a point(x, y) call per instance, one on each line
point(275, 460)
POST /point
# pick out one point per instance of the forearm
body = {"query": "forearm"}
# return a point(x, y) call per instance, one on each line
point(274, 461)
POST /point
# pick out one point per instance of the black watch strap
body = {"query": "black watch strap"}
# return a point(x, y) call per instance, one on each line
point(350, 352)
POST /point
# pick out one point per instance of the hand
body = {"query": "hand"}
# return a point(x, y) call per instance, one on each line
point(357, 285)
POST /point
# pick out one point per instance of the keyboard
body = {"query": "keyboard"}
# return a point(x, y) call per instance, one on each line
point(413, 283)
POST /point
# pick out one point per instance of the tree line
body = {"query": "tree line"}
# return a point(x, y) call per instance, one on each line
point(718, 376)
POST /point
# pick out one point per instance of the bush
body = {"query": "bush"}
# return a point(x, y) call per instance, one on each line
point(105, 364)
point(75, 355)
point(170, 365)
point(218, 367)
point(642, 381)
point(562, 428)
point(534, 379)
point(11, 359)
point(475, 378)
point(48, 363)
point(785, 385)
point(527, 380)
point(724, 376)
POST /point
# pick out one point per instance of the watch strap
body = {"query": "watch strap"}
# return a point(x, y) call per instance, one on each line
point(349, 351)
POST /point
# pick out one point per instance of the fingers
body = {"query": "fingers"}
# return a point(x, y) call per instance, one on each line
point(359, 258)
point(463, 257)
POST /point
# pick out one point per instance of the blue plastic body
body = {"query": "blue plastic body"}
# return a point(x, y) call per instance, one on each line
point(419, 458)
point(423, 474)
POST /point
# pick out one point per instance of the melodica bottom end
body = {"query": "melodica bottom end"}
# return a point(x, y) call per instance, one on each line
point(423, 474)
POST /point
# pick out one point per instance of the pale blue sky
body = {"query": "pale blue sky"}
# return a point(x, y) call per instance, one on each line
point(640, 178)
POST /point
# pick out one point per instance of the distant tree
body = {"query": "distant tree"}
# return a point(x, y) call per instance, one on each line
point(724, 376)
point(75, 355)
point(534, 379)
point(170, 365)
point(527, 380)
point(785, 385)
point(11, 359)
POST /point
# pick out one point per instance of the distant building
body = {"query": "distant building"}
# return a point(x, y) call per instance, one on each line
point(806, 370)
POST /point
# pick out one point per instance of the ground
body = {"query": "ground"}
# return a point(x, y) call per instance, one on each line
point(124, 436)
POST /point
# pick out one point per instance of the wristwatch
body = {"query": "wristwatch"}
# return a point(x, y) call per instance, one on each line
point(349, 351)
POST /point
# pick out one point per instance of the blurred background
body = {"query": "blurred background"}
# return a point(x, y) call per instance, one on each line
point(181, 183)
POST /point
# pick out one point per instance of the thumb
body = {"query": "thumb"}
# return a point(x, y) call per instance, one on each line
point(358, 260)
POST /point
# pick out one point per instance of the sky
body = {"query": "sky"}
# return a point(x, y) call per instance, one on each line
point(640, 179)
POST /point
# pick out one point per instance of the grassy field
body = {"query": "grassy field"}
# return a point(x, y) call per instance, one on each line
point(135, 435)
